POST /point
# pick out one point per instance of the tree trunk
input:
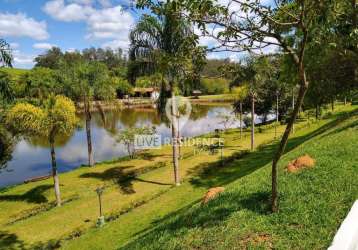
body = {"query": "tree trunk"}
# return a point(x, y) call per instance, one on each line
point(293, 108)
point(283, 143)
point(345, 100)
point(276, 116)
point(252, 122)
point(179, 142)
point(175, 139)
point(240, 119)
point(317, 111)
point(88, 132)
point(54, 173)
point(332, 104)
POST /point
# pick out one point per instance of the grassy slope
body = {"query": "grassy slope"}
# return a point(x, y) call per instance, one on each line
point(313, 202)
point(127, 187)
point(15, 74)
point(173, 220)
point(27, 212)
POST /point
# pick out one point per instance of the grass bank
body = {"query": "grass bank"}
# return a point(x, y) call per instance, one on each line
point(313, 202)
point(225, 98)
point(139, 195)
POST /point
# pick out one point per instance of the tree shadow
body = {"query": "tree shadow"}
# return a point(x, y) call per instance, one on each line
point(194, 216)
point(124, 176)
point(10, 241)
point(351, 125)
point(34, 195)
point(244, 163)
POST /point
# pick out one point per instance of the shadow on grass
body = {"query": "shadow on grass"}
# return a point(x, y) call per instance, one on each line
point(244, 163)
point(34, 195)
point(175, 224)
point(197, 217)
point(10, 241)
point(124, 176)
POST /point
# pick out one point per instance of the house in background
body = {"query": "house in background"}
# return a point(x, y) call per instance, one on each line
point(152, 93)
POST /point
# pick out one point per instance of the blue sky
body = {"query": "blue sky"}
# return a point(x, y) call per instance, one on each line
point(33, 26)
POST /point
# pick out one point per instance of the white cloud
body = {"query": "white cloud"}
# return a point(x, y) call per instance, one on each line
point(67, 13)
point(19, 25)
point(110, 24)
point(124, 44)
point(22, 60)
point(45, 46)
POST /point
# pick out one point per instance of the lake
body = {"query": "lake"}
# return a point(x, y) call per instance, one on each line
point(31, 158)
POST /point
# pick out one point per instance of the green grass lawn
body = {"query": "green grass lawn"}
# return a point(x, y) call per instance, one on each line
point(214, 98)
point(313, 202)
point(140, 201)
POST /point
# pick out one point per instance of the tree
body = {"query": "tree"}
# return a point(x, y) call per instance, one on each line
point(85, 82)
point(57, 117)
point(253, 26)
point(6, 92)
point(41, 83)
point(127, 137)
point(239, 94)
point(51, 59)
point(5, 54)
point(163, 43)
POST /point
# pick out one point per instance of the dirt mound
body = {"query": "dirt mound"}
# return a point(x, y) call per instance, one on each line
point(302, 162)
point(212, 193)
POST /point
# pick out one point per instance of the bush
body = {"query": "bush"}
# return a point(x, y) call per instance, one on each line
point(123, 87)
point(215, 86)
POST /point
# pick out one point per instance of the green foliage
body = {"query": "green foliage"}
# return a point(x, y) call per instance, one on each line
point(41, 82)
point(7, 143)
point(214, 86)
point(127, 137)
point(240, 93)
point(162, 43)
point(153, 80)
point(57, 116)
point(122, 86)
point(51, 59)
point(6, 91)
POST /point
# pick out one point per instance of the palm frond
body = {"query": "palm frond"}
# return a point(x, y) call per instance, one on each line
point(5, 54)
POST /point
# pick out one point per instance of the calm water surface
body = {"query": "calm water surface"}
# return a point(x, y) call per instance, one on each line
point(31, 158)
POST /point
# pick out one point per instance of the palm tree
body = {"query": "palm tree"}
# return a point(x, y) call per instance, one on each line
point(56, 118)
point(5, 54)
point(161, 43)
point(84, 82)
point(5, 61)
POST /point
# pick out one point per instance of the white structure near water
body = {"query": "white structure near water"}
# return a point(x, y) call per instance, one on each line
point(347, 235)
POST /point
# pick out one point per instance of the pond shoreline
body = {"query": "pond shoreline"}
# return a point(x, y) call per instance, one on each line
point(148, 103)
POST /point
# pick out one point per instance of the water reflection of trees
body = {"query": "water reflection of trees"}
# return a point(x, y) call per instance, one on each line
point(7, 143)
point(115, 120)
point(199, 111)
point(42, 142)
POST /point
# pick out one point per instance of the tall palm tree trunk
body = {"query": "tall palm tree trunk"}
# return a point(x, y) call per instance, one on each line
point(88, 132)
point(175, 139)
point(252, 122)
point(240, 119)
point(55, 173)
point(277, 101)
